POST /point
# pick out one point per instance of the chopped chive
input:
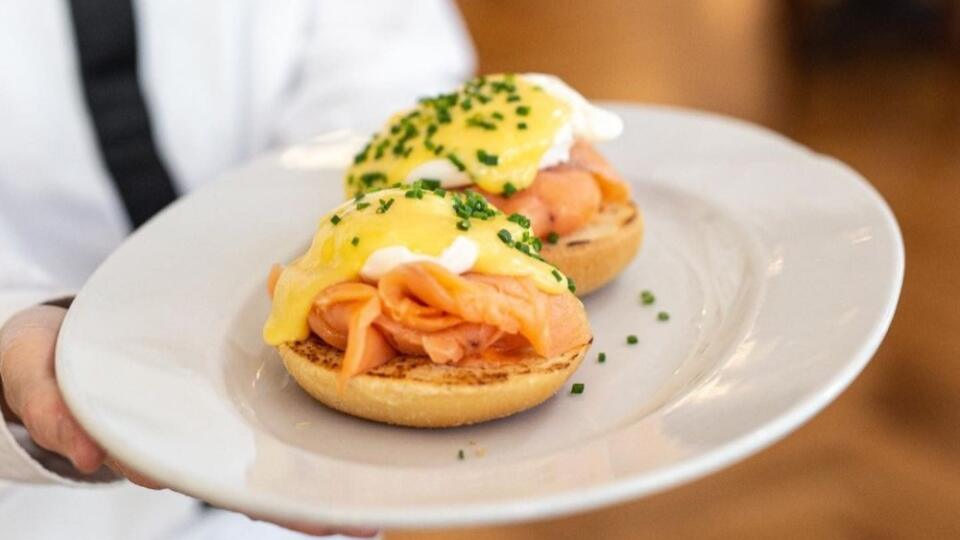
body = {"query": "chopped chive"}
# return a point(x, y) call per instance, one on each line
point(456, 162)
point(520, 220)
point(505, 236)
point(370, 178)
point(552, 237)
point(632, 339)
point(356, 240)
point(602, 357)
point(335, 219)
point(362, 155)
point(523, 110)
point(460, 455)
point(571, 285)
point(429, 183)
point(478, 121)
point(362, 205)
point(647, 298)
point(384, 205)
point(557, 275)
point(663, 316)
point(497, 115)
point(508, 190)
point(463, 224)
point(487, 159)
point(513, 97)
point(521, 125)
point(577, 388)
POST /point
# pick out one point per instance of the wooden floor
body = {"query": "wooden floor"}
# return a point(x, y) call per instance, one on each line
point(884, 460)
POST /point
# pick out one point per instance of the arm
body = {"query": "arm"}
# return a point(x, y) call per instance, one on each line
point(363, 61)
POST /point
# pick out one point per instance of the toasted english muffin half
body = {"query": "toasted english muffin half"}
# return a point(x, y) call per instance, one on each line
point(413, 391)
point(597, 253)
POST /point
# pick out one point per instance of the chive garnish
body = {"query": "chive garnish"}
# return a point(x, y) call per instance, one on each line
point(362, 155)
point(478, 121)
point(508, 190)
point(335, 219)
point(523, 110)
point(520, 220)
point(429, 183)
point(362, 205)
point(497, 115)
point(663, 316)
point(647, 298)
point(505, 236)
point(487, 159)
point(602, 357)
point(356, 240)
point(460, 455)
point(463, 224)
point(577, 388)
point(552, 237)
point(456, 162)
point(632, 339)
point(385, 205)
point(521, 125)
point(513, 97)
point(557, 275)
point(571, 286)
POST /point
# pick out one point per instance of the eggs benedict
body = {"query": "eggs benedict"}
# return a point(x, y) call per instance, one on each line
point(525, 142)
point(424, 307)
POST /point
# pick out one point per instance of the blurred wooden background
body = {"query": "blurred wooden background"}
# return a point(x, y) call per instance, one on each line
point(874, 83)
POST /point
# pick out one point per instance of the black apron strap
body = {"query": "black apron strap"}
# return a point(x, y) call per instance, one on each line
point(105, 32)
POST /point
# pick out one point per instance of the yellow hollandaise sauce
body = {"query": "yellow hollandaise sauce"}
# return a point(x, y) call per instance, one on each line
point(494, 129)
point(422, 217)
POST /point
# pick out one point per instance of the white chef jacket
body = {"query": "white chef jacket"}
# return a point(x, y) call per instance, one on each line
point(222, 80)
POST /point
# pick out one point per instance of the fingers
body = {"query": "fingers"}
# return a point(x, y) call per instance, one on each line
point(133, 475)
point(27, 344)
point(51, 426)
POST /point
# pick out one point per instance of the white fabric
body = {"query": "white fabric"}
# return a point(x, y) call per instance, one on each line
point(224, 80)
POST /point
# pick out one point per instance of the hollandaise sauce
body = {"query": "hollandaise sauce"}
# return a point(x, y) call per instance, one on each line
point(494, 130)
point(422, 217)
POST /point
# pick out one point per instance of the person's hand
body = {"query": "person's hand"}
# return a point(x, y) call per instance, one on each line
point(28, 386)
point(27, 343)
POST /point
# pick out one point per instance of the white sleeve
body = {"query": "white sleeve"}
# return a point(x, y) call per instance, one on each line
point(365, 60)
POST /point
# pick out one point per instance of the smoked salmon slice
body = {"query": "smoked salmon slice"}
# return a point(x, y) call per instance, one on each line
point(564, 198)
point(423, 309)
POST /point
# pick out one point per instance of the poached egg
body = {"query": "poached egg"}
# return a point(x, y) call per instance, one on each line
point(495, 131)
point(370, 234)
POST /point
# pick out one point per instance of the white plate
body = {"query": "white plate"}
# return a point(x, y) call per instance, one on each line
point(780, 269)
